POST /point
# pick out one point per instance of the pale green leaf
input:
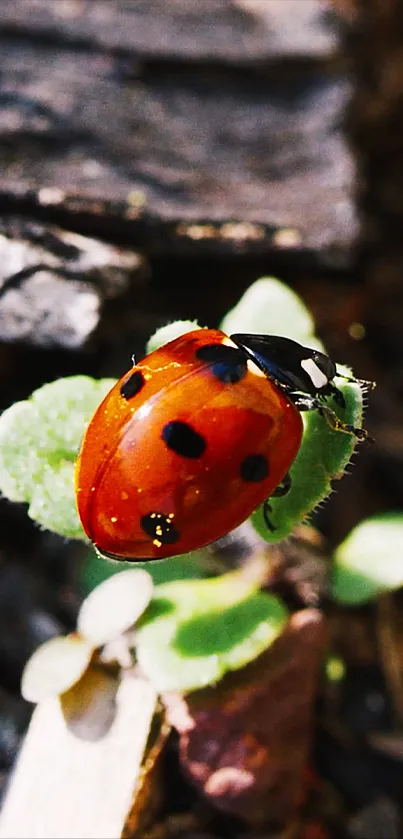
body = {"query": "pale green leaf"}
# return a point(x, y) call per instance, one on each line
point(170, 332)
point(370, 560)
point(55, 667)
point(271, 307)
point(196, 631)
point(115, 606)
point(39, 443)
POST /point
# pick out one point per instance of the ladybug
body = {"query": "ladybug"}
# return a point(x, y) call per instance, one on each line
point(194, 437)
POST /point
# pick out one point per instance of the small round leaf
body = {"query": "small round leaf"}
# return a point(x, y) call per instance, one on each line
point(115, 606)
point(39, 443)
point(55, 667)
point(269, 306)
point(370, 560)
point(170, 332)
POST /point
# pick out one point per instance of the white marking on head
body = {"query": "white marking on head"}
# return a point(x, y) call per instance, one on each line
point(316, 376)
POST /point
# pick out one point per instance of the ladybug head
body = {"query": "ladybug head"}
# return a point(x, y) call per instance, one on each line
point(294, 367)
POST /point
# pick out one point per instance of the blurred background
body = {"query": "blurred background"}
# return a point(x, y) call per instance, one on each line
point(156, 157)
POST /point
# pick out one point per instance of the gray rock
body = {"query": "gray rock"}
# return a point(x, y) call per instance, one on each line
point(52, 283)
point(227, 30)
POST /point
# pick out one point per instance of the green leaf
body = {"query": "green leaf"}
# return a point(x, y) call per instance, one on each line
point(39, 438)
point(370, 560)
point(194, 632)
point(170, 332)
point(322, 458)
point(39, 443)
point(95, 568)
point(269, 306)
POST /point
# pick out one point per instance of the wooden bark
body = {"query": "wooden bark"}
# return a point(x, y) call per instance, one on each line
point(162, 123)
point(80, 764)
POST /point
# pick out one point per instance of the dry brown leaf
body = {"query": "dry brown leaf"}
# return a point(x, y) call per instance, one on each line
point(149, 791)
point(245, 743)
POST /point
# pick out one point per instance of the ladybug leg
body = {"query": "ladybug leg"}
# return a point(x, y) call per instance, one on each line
point(311, 403)
point(337, 395)
point(267, 510)
point(334, 422)
point(280, 490)
point(283, 487)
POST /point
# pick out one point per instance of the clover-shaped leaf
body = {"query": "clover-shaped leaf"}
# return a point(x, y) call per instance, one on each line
point(106, 614)
point(370, 560)
point(39, 443)
point(195, 631)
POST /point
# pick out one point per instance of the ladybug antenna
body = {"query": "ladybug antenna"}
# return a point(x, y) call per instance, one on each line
point(364, 382)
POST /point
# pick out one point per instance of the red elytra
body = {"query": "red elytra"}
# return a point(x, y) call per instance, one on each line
point(183, 449)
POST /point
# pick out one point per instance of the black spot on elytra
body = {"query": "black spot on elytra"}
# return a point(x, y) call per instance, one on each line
point(161, 527)
point(182, 439)
point(254, 468)
point(228, 363)
point(132, 385)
